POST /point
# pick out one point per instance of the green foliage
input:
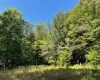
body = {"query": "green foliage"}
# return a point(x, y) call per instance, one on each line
point(66, 40)
point(40, 32)
point(93, 57)
point(64, 59)
point(11, 37)
point(17, 39)
point(51, 61)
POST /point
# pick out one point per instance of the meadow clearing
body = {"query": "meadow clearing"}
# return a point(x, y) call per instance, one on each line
point(77, 72)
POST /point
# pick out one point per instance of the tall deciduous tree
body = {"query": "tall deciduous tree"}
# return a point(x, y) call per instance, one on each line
point(11, 37)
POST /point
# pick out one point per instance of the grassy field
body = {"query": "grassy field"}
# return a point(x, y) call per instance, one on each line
point(52, 73)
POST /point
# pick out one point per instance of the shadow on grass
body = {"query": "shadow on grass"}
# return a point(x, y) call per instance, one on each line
point(61, 74)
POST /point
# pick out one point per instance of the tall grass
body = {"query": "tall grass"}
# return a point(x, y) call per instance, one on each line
point(77, 72)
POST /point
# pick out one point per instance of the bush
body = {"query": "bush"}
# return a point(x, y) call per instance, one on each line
point(64, 59)
point(93, 57)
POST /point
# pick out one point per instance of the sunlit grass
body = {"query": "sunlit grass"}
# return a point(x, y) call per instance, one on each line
point(76, 72)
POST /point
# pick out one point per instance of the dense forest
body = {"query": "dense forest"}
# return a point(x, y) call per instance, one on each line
point(72, 38)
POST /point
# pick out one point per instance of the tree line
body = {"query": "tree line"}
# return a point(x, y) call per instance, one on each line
point(72, 38)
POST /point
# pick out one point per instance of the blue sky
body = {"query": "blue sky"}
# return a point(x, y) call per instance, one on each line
point(36, 11)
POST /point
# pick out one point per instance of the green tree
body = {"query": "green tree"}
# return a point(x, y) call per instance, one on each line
point(11, 37)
